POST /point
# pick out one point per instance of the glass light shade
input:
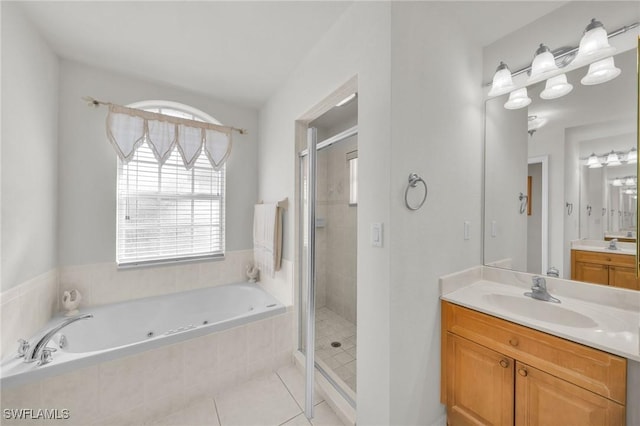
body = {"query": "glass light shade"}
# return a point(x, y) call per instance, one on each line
point(601, 72)
point(518, 99)
point(593, 162)
point(630, 182)
point(617, 182)
point(612, 159)
point(543, 62)
point(594, 40)
point(628, 191)
point(556, 87)
point(632, 156)
point(502, 81)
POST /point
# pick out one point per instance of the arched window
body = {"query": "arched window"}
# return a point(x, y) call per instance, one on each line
point(169, 213)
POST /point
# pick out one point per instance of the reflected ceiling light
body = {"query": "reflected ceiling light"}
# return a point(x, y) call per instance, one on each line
point(502, 81)
point(518, 99)
point(556, 87)
point(617, 182)
point(601, 72)
point(630, 181)
point(347, 100)
point(543, 62)
point(629, 191)
point(593, 162)
point(632, 156)
point(612, 159)
point(594, 41)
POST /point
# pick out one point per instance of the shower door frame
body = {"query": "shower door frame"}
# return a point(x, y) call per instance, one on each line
point(311, 154)
point(302, 150)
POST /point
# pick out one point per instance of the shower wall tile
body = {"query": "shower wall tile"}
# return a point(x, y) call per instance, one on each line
point(152, 384)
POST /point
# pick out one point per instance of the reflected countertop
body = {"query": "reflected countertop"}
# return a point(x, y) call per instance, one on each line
point(603, 246)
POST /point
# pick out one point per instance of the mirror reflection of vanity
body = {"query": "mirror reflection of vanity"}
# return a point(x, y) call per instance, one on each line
point(547, 204)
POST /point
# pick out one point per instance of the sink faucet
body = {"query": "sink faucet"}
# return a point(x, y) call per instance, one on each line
point(612, 244)
point(39, 351)
point(539, 290)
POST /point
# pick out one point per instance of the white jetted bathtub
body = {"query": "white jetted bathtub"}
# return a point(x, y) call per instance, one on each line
point(127, 328)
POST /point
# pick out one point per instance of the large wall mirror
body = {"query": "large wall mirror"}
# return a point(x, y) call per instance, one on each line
point(546, 198)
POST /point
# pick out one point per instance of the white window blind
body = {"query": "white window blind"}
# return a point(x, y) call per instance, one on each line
point(169, 213)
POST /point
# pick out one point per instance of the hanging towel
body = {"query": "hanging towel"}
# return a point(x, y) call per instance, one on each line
point(267, 238)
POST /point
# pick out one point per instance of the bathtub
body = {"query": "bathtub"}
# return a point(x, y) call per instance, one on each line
point(123, 329)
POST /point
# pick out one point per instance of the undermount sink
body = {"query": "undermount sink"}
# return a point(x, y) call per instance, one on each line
point(539, 310)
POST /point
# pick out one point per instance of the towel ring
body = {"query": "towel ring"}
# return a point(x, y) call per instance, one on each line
point(413, 182)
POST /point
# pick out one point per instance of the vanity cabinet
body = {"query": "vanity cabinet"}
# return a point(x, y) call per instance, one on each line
point(604, 268)
point(500, 373)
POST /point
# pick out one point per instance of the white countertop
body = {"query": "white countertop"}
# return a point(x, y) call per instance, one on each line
point(603, 247)
point(597, 316)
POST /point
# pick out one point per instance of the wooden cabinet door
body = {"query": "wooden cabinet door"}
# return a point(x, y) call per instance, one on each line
point(545, 400)
point(592, 273)
point(623, 277)
point(479, 384)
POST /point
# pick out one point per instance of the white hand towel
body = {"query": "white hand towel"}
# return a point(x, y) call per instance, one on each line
point(267, 238)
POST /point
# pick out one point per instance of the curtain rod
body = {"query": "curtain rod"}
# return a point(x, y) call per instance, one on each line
point(93, 102)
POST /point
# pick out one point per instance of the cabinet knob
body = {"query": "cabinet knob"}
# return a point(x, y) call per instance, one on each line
point(513, 341)
point(504, 363)
point(523, 372)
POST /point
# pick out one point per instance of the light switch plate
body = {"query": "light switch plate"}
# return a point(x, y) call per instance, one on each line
point(376, 234)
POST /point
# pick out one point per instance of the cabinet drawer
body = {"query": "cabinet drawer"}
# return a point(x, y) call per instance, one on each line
point(591, 369)
point(604, 258)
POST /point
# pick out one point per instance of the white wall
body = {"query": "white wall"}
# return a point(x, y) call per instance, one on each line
point(357, 44)
point(87, 167)
point(436, 132)
point(29, 150)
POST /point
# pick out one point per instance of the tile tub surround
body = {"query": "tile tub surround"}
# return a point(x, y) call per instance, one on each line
point(617, 311)
point(26, 308)
point(155, 383)
point(103, 283)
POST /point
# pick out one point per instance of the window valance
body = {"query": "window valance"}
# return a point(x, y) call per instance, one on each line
point(128, 128)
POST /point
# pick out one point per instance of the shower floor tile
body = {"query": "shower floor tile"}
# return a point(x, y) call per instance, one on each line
point(332, 328)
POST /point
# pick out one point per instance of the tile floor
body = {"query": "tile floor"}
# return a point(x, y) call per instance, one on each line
point(271, 400)
point(331, 327)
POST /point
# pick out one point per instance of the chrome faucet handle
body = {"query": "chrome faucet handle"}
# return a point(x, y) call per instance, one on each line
point(23, 348)
point(539, 283)
point(45, 356)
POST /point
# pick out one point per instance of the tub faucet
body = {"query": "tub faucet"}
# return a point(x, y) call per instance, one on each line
point(39, 352)
point(539, 290)
point(613, 244)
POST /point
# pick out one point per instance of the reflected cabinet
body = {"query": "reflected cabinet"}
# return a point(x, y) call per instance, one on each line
point(498, 373)
point(616, 270)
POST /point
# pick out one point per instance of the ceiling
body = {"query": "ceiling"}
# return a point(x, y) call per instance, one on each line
point(237, 51)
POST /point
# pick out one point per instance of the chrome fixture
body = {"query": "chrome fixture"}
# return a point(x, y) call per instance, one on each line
point(39, 351)
point(524, 200)
point(613, 244)
point(539, 290)
point(553, 272)
point(413, 182)
point(569, 207)
point(594, 50)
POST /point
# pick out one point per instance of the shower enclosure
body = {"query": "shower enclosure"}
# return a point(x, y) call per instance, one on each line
point(327, 250)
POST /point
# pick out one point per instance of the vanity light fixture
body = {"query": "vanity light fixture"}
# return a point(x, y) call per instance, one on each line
point(594, 41)
point(543, 62)
point(630, 181)
point(617, 182)
point(502, 81)
point(601, 72)
point(632, 156)
point(556, 87)
point(593, 162)
point(518, 99)
point(612, 159)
